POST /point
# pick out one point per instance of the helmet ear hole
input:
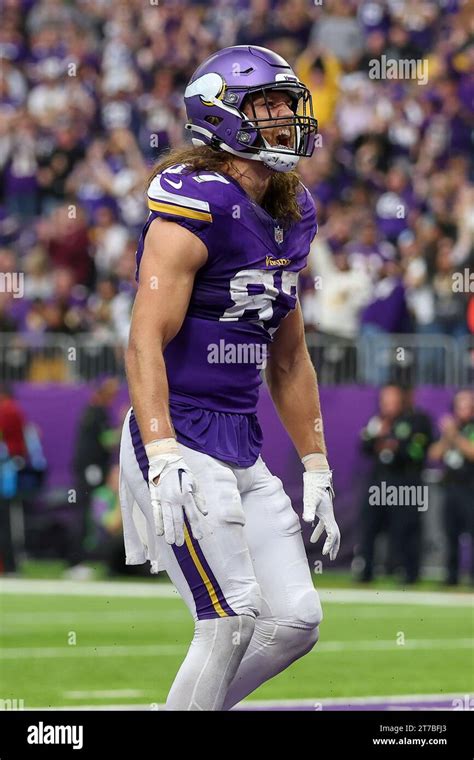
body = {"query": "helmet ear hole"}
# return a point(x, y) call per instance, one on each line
point(214, 120)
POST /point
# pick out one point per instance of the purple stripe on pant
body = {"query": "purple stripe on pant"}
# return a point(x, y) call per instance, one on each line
point(204, 607)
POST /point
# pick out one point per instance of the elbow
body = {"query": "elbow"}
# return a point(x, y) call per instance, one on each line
point(139, 356)
point(278, 374)
point(275, 375)
point(280, 369)
point(131, 359)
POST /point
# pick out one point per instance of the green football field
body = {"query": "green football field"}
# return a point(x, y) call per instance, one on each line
point(69, 644)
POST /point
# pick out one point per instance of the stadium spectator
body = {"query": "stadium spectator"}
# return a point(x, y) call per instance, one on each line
point(455, 449)
point(12, 423)
point(64, 233)
point(342, 291)
point(104, 538)
point(95, 442)
point(12, 452)
point(108, 240)
point(397, 440)
point(109, 311)
point(338, 29)
point(38, 277)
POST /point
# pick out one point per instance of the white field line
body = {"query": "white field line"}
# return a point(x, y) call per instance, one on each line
point(88, 588)
point(164, 650)
point(104, 694)
point(167, 591)
point(289, 703)
point(325, 701)
point(18, 620)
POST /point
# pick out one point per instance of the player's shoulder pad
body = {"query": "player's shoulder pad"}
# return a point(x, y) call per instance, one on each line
point(192, 194)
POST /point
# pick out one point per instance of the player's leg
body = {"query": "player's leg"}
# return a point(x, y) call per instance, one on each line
point(214, 576)
point(287, 627)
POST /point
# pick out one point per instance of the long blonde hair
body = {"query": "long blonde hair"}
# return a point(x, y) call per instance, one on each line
point(280, 200)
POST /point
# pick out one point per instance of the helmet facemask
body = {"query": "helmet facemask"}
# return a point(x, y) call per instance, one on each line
point(295, 134)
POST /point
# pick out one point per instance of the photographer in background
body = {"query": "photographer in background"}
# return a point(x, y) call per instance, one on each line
point(23, 470)
point(12, 445)
point(455, 449)
point(397, 440)
point(95, 442)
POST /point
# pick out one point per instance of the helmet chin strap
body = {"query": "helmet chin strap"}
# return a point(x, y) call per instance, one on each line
point(276, 161)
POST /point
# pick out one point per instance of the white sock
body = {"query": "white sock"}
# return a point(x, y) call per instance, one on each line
point(211, 663)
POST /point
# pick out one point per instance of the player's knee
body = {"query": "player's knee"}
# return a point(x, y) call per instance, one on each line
point(246, 599)
point(307, 611)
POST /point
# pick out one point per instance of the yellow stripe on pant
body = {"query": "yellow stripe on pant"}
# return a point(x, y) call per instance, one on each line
point(210, 588)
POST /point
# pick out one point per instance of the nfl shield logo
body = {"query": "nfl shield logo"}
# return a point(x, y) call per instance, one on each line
point(278, 235)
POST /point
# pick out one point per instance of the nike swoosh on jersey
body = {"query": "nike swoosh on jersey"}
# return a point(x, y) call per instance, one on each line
point(178, 185)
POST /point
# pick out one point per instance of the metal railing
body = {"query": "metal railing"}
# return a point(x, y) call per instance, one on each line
point(369, 360)
point(378, 358)
point(58, 358)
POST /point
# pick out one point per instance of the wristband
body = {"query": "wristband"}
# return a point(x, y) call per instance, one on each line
point(315, 462)
point(161, 446)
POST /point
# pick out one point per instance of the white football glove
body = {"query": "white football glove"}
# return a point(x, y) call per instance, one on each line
point(318, 495)
point(174, 492)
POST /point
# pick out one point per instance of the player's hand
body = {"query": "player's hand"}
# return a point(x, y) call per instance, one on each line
point(318, 503)
point(174, 493)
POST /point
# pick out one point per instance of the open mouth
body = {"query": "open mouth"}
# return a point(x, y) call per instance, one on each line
point(283, 138)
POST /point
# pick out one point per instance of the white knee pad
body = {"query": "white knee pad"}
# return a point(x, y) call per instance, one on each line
point(307, 609)
point(282, 642)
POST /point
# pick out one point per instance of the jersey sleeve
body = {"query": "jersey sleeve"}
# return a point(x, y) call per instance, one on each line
point(198, 201)
point(308, 210)
point(180, 197)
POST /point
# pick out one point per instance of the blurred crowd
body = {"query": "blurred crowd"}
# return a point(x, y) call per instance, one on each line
point(91, 93)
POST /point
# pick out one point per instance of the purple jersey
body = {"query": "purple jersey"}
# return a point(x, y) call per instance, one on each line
point(247, 286)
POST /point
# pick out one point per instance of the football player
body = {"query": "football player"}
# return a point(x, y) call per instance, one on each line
point(230, 227)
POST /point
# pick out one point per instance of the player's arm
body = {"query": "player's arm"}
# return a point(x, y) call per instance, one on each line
point(172, 255)
point(293, 386)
